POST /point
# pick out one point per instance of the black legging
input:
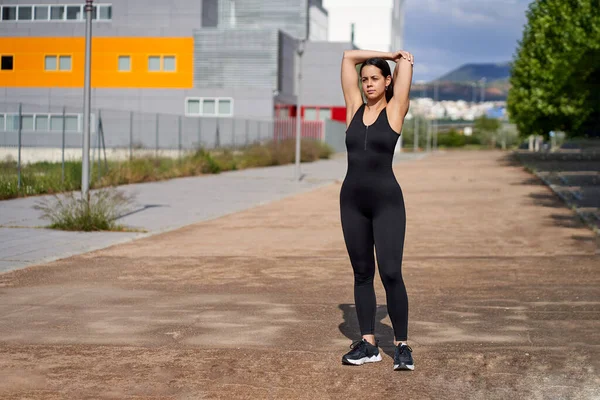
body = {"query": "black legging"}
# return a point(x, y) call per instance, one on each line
point(373, 215)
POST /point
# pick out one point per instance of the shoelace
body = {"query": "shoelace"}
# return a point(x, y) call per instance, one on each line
point(355, 344)
point(402, 347)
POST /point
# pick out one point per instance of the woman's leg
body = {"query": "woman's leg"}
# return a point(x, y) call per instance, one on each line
point(389, 227)
point(358, 235)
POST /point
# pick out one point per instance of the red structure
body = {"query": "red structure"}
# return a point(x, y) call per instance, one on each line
point(318, 113)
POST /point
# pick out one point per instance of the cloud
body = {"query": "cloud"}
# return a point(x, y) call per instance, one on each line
point(445, 34)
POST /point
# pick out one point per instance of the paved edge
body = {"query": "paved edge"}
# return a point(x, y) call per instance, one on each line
point(176, 227)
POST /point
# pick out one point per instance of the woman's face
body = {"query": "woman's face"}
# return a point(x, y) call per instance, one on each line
point(373, 82)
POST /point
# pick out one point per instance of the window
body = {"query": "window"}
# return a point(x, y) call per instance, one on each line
point(41, 123)
point(154, 63)
point(169, 63)
point(56, 123)
point(193, 107)
point(64, 63)
point(50, 63)
point(161, 63)
point(324, 114)
point(27, 122)
point(74, 12)
point(224, 107)
point(12, 122)
point(124, 63)
point(209, 107)
point(105, 13)
point(60, 63)
point(310, 114)
point(6, 63)
point(57, 12)
point(9, 13)
point(40, 13)
point(72, 123)
point(25, 13)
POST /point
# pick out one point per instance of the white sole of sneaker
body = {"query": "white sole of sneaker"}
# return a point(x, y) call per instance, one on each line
point(364, 360)
point(404, 367)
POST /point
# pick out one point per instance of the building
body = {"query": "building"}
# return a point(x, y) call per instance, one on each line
point(213, 58)
point(397, 39)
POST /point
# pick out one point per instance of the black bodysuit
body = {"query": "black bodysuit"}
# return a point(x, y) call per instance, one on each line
point(373, 214)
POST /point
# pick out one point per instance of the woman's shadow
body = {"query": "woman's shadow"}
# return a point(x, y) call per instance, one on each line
point(383, 333)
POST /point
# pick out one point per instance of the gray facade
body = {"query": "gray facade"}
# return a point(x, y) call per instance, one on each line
point(290, 16)
point(236, 57)
point(250, 103)
point(321, 64)
point(133, 18)
point(243, 49)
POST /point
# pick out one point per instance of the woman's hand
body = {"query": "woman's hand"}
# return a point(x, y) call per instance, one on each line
point(403, 54)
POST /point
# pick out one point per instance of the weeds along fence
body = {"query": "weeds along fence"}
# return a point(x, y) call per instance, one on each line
point(30, 133)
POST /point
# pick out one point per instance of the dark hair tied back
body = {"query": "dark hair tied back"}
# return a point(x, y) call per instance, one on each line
point(384, 67)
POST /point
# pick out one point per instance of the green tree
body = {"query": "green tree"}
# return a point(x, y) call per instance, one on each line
point(555, 76)
point(486, 130)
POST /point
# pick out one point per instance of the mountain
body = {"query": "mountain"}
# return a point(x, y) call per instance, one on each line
point(459, 84)
point(474, 72)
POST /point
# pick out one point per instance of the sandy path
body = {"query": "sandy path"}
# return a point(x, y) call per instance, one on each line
point(503, 283)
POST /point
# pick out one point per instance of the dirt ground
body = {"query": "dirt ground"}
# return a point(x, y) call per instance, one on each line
point(503, 284)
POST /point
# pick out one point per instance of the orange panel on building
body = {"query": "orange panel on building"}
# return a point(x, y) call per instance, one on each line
point(29, 62)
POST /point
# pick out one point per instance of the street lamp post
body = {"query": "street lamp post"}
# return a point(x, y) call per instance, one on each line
point(483, 80)
point(435, 100)
point(85, 162)
point(299, 51)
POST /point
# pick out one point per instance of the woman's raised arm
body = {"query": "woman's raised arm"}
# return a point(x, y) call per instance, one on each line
point(352, 95)
point(399, 103)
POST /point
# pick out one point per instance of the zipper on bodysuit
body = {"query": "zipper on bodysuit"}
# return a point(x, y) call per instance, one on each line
point(366, 134)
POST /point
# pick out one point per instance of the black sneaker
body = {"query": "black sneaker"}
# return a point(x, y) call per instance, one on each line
point(362, 352)
point(403, 358)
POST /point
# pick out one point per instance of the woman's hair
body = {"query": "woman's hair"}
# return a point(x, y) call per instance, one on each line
point(384, 67)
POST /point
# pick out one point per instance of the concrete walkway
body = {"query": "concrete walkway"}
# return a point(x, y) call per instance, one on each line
point(503, 283)
point(160, 207)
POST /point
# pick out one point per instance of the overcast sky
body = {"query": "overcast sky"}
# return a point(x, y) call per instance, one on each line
point(442, 34)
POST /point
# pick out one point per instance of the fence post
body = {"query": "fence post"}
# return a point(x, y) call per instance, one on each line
point(99, 145)
point(416, 135)
point(130, 135)
point(217, 136)
point(435, 134)
point(63, 145)
point(179, 134)
point(233, 133)
point(199, 133)
point(156, 148)
point(247, 131)
point(98, 133)
point(428, 135)
point(101, 129)
point(20, 122)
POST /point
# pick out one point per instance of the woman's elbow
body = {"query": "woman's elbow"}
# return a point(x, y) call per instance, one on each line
point(348, 54)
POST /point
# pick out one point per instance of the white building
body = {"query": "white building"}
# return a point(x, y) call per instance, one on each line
point(397, 42)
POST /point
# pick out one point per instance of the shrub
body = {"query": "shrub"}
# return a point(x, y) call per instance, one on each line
point(71, 212)
point(46, 178)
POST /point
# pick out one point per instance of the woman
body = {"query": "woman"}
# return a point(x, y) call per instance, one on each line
point(371, 201)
